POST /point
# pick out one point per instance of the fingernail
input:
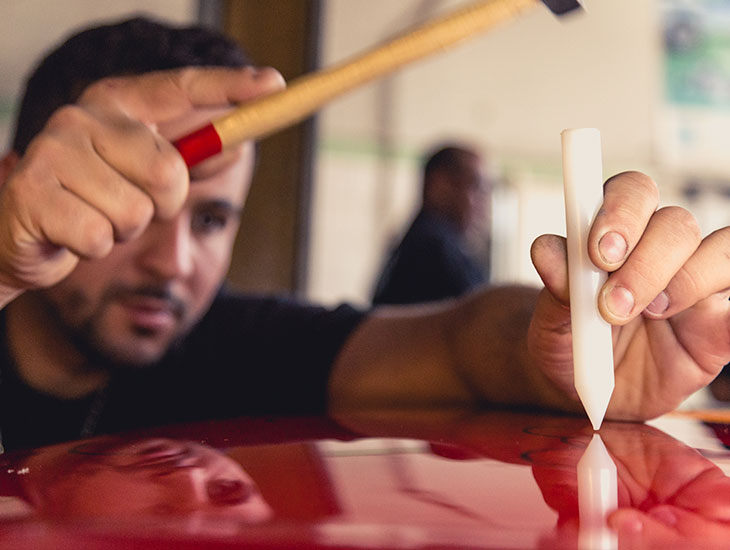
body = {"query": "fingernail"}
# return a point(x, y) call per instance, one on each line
point(612, 247)
point(620, 301)
point(659, 304)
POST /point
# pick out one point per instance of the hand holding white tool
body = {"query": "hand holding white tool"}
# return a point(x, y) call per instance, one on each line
point(592, 344)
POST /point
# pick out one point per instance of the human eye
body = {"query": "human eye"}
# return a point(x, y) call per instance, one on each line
point(212, 218)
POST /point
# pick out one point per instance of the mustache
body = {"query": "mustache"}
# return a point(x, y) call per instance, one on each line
point(158, 292)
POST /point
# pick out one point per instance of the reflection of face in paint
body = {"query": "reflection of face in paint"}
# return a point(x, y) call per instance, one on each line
point(145, 478)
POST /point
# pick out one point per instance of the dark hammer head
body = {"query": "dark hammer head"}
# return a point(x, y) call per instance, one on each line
point(559, 7)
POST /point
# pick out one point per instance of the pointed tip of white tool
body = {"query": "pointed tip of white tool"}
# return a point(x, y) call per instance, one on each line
point(595, 387)
point(596, 406)
point(596, 421)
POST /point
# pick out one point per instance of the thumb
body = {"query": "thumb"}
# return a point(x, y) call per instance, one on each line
point(549, 338)
point(550, 258)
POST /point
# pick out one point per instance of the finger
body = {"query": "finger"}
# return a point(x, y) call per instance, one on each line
point(637, 529)
point(41, 245)
point(125, 206)
point(90, 236)
point(704, 274)
point(551, 320)
point(629, 201)
point(93, 154)
point(218, 87)
point(130, 108)
point(165, 95)
point(668, 526)
point(549, 256)
point(669, 239)
point(549, 344)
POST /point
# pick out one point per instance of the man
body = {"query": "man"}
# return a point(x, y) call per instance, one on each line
point(111, 260)
point(158, 477)
point(436, 257)
point(75, 351)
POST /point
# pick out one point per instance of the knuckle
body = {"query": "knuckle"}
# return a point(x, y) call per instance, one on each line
point(181, 77)
point(102, 90)
point(167, 181)
point(137, 215)
point(631, 198)
point(689, 282)
point(97, 239)
point(164, 170)
point(642, 181)
point(645, 274)
point(45, 152)
point(174, 81)
point(66, 116)
point(637, 182)
point(721, 239)
point(177, 83)
point(681, 221)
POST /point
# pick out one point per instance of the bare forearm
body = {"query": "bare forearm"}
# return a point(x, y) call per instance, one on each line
point(490, 342)
point(468, 352)
point(397, 358)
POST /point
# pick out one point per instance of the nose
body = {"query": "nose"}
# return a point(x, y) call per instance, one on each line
point(182, 490)
point(167, 249)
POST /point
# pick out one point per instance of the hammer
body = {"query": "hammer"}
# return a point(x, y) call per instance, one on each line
point(307, 93)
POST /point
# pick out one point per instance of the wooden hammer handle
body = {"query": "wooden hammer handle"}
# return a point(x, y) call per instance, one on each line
point(306, 94)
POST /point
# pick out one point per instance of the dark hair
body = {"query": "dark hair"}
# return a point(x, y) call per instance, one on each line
point(447, 158)
point(132, 46)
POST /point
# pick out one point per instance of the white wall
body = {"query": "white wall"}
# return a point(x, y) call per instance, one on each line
point(516, 86)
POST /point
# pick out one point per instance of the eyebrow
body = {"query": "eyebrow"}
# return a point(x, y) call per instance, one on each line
point(219, 204)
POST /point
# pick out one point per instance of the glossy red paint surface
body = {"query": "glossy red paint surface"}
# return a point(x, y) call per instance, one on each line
point(388, 481)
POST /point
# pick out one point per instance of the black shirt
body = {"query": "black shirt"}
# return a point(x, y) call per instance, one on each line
point(248, 356)
point(430, 263)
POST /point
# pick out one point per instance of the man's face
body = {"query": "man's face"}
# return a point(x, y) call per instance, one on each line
point(143, 479)
point(469, 195)
point(132, 305)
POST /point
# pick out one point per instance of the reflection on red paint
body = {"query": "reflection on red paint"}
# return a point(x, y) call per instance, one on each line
point(392, 480)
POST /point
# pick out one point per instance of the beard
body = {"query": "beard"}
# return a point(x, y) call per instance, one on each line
point(82, 323)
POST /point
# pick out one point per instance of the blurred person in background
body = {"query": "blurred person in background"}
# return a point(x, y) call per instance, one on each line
point(445, 251)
